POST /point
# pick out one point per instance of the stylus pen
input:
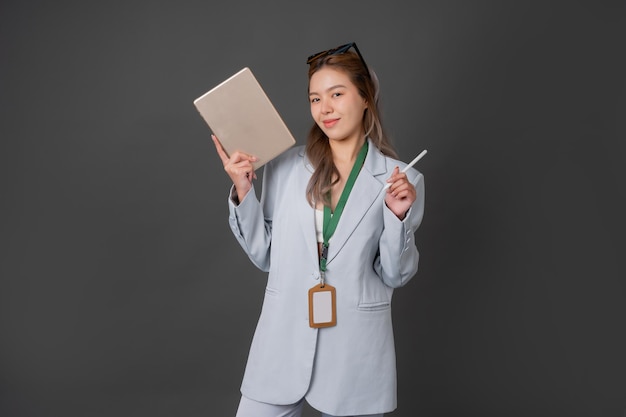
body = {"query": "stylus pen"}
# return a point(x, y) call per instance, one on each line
point(413, 162)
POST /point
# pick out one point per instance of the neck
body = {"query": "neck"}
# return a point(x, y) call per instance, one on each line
point(346, 151)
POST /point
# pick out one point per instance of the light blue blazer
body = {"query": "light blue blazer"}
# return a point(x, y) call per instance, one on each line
point(350, 368)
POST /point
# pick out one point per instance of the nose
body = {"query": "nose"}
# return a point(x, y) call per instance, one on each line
point(326, 107)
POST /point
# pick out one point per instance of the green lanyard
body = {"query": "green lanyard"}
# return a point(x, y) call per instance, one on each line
point(330, 222)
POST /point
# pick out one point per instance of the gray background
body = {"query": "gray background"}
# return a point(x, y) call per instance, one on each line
point(123, 292)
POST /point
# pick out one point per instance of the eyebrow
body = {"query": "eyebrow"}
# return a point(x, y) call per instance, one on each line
point(329, 88)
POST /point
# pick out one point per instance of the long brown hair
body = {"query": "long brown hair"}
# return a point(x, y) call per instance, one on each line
point(317, 146)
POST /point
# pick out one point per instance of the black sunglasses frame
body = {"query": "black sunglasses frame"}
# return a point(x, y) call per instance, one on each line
point(337, 51)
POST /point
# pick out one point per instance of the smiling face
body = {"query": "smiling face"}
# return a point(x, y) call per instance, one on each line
point(336, 105)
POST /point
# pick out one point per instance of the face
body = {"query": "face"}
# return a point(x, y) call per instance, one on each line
point(336, 105)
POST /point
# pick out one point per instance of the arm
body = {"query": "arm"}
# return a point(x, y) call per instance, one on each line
point(251, 227)
point(398, 260)
point(239, 168)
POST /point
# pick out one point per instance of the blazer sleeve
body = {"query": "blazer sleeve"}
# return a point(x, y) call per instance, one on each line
point(399, 257)
point(251, 220)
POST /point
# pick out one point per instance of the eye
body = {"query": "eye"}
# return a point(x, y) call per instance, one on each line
point(315, 100)
point(337, 94)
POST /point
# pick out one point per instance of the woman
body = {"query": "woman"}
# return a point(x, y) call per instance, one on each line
point(309, 237)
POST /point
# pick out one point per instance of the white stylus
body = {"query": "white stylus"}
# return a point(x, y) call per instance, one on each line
point(406, 168)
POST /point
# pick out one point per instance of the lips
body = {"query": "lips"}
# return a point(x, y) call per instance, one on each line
point(330, 122)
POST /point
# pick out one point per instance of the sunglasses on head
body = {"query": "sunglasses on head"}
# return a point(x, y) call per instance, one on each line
point(337, 51)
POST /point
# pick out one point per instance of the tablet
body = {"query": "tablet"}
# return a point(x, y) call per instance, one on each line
point(244, 119)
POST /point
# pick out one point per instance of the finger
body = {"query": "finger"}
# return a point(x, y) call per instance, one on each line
point(239, 156)
point(397, 180)
point(243, 165)
point(402, 188)
point(236, 157)
point(397, 188)
point(220, 150)
point(250, 176)
point(395, 172)
point(405, 193)
point(241, 170)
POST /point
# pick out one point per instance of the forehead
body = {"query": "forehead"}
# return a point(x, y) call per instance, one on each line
point(328, 77)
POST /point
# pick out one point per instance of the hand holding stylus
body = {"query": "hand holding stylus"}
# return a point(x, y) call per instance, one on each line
point(413, 162)
point(400, 192)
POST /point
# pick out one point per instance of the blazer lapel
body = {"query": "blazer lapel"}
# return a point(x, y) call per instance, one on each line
point(365, 193)
point(304, 210)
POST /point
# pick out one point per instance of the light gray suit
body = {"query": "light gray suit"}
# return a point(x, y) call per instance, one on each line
point(350, 368)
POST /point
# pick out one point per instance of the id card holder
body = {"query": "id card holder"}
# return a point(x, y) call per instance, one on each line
point(322, 306)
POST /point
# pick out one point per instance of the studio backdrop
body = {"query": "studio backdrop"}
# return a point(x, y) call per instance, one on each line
point(124, 293)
